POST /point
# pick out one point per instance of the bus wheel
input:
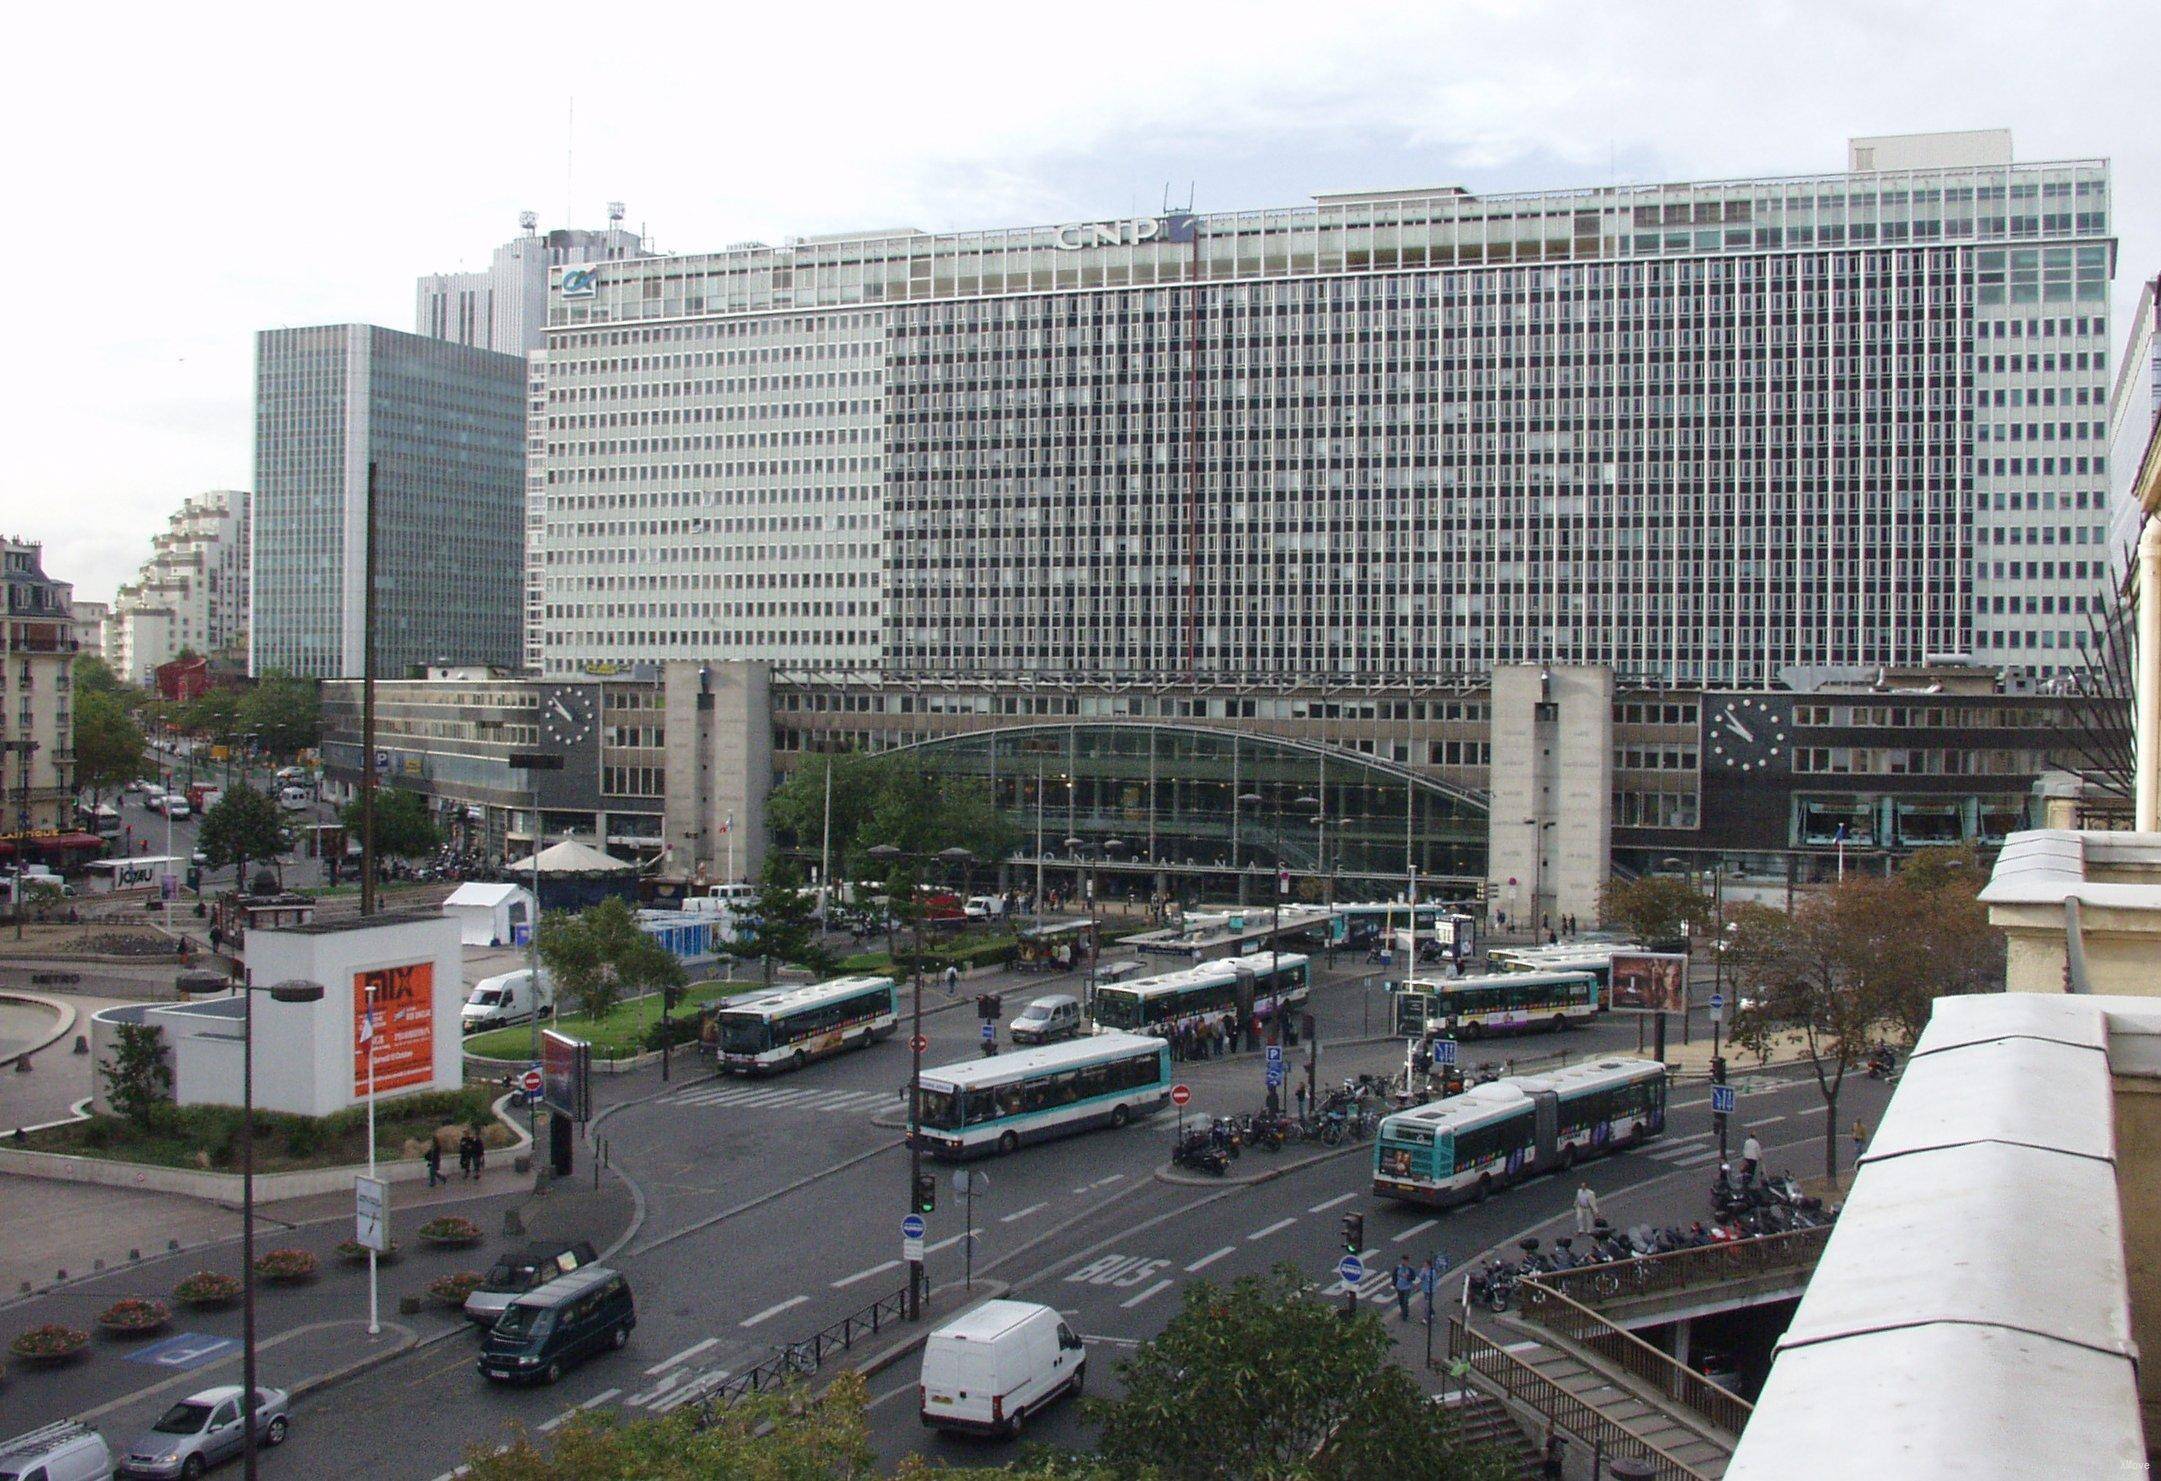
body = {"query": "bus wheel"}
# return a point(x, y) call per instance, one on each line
point(1470, 1031)
point(1010, 1142)
point(1484, 1190)
point(1120, 1115)
point(797, 1060)
point(1560, 1021)
point(1568, 1155)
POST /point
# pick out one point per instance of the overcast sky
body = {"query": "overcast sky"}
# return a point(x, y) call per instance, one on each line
point(185, 176)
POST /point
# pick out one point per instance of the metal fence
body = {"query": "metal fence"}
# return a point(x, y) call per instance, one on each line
point(801, 1359)
point(1681, 1271)
point(1632, 1355)
point(1516, 1380)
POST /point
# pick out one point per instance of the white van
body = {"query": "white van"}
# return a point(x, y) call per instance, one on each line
point(497, 1002)
point(66, 1451)
point(1047, 1020)
point(294, 799)
point(987, 1370)
point(983, 907)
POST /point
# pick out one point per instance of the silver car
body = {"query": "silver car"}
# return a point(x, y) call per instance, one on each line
point(203, 1430)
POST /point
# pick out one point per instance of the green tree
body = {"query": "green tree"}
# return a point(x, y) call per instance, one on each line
point(1656, 908)
point(598, 957)
point(887, 799)
point(403, 829)
point(282, 712)
point(214, 715)
point(243, 824)
point(795, 811)
point(93, 675)
point(1265, 1379)
point(138, 1076)
point(108, 743)
point(781, 924)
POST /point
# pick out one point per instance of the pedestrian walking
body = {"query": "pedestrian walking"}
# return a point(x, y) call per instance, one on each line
point(480, 1154)
point(952, 980)
point(433, 1157)
point(1405, 1281)
point(1751, 1158)
point(1860, 1140)
point(466, 1142)
point(1429, 1281)
point(1230, 1030)
point(1301, 1100)
point(1586, 1208)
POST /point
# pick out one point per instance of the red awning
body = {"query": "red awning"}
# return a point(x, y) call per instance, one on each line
point(70, 841)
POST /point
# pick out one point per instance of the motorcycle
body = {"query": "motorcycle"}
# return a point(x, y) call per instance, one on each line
point(1199, 1151)
point(1495, 1286)
point(1883, 1063)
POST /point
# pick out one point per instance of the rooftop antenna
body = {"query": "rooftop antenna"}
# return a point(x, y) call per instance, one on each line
point(615, 215)
point(570, 163)
point(528, 221)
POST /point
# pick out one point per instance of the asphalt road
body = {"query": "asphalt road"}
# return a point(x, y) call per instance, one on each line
point(771, 1209)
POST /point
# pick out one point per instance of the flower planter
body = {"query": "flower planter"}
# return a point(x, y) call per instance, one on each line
point(451, 1232)
point(353, 1252)
point(451, 1290)
point(134, 1317)
point(285, 1267)
point(207, 1291)
point(48, 1346)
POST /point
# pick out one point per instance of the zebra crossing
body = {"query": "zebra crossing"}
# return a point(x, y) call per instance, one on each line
point(760, 1096)
point(1684, 1151)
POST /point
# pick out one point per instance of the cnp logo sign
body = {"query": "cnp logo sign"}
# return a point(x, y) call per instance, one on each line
point(580, 282)
point(1081, 235)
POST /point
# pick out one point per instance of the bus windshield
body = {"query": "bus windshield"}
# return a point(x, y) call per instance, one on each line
point(744, 1033)
point(1117, 1009)
point(940, 1108)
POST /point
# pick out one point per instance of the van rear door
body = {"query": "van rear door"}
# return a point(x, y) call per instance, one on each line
point(960, 1378)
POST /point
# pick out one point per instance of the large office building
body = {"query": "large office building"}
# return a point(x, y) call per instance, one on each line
point(191, 594)
point(505, 307)
point(1698, 433)
point(442, 425)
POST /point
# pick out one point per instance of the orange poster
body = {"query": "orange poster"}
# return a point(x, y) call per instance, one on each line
point(404, 1027)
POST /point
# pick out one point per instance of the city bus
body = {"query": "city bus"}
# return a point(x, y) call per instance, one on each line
point(995, 1104)
point(1212, 988)
point(1494, 1135)
point(787, 1030)
point(1362, 924)
point(1594, 957)
point(1468, 1007)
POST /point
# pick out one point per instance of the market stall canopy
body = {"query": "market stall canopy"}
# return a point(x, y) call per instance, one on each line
point(570, 857)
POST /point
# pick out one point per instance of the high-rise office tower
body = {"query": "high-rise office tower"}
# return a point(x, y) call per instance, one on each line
point(1700, 433)
point(443, 425)
point(505, 307)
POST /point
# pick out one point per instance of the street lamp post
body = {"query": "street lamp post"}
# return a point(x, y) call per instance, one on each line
point(889, 854)
point(1095, 931)
point(533, 763)
point(280, 992)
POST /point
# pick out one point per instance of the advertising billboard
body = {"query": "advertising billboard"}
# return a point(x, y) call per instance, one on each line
point(404, 1028)
point(1649, 982)
point(566, 1068)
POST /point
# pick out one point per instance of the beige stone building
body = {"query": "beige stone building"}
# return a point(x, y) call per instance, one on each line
point(37, 719)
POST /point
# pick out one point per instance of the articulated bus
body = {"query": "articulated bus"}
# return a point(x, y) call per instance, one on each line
point(1467, 1007)
point(1494, 1135)
point(787, 1030)
point(995, 1104)
point(1594, 957)
point(1211, 988)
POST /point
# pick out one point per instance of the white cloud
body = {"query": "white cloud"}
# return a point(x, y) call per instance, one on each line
point(190, 177)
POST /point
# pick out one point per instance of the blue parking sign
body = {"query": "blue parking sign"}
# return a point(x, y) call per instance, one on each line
point(1275, 1054)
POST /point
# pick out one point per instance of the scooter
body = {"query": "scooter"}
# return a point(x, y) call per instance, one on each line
point(1198, 1150)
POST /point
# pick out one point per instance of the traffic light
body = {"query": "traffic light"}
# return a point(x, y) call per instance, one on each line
point(926, 1193)
point(1718, 1069)
point(1354, 1233)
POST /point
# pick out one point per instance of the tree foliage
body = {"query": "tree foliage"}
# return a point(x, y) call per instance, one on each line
point(282, 712)
point(243, 824)
point(598, 957)
point(780, 924)
point(108, 742)
point(1655, 909)
point(403, 829)
point(887, 799)
point(93, 675)
point(1264, 1379)
point(138, 1077)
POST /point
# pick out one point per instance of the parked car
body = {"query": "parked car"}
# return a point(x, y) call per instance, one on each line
point(67, 1450)
point(545, 1331)
point(989, 1369)
point(499, 1001)
point(1047, 1020)
point(529, 1269)
point(203, 1430)
point(175, 806)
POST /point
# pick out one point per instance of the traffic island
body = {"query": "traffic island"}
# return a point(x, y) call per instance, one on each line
point(1276, 1166)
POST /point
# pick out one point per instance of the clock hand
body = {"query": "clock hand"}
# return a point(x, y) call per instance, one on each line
point(1734, 724)
point(558, 707)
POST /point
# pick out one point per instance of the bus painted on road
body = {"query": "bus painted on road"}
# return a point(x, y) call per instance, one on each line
point(1467, 1007)
point(787, 1030)
point(996, 1104)
point(1494, 1135)
point(1208, 990)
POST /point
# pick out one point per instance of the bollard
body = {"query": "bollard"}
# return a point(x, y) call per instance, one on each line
point(82, 1044)
point(62, 1276)
point(97, 1264)
point(135, 1254)
point(22, 1064)
point(513, 1224)
point(408, 1305)
point(171, 1245)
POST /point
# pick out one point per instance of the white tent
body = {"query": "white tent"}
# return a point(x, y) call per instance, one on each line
point(571, 857)
point(489, 914)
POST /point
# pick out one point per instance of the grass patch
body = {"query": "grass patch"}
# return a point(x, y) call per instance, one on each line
point(208, 1137)
point(618, 1034)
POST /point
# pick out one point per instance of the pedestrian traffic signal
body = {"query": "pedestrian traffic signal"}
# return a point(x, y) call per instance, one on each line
point(1354, 1233)
point(926, 1193)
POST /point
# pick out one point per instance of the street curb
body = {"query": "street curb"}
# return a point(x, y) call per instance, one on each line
point(878, 1362)
point(1167, 1173)
point(68, 1014)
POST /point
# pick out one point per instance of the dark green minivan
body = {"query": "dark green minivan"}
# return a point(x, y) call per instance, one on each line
point(551, 1327)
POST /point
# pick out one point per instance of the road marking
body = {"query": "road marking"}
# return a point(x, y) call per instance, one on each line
point(1206, 1260)
point(932, 1249)
point(704, 1383)
point(600, 1398)
point(1709, 1154)
point(1272, 1228)
point(1322, 1208)
point(1132, 1301)
point(636, 1401)
point(1033, 1208)
point(563, 1418)
point(772, 1311)
point(1111, 1341)
point(1414, 1231)
point(1755, 1121)
point(1116, 1177)
point(849, 1280)
point(684, 1356)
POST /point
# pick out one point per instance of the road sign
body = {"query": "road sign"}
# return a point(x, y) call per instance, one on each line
point(1444, 1051)
point(371, 1208)
point(912, 1227)
point(1722, 1100)
point(1275, 1076)
point(912, 1249)
point(530, 1082)
point(919, 1043)
point(1275, 1054)
point(1718, 1001)
point(382, 762)
point(1181, 1095)
point(1350, 1270)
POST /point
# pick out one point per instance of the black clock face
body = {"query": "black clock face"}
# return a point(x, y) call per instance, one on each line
point(566, 714)
point(1746, 733)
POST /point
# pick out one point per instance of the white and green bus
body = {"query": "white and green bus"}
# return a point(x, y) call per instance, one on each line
point(1492, 1136)
point(1467, 1007)
point(787, 1030)
point(995, 1104)
point(1209, 990)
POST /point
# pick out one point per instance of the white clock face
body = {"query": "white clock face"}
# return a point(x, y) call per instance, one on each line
point(1747, 734)
point(566, 715)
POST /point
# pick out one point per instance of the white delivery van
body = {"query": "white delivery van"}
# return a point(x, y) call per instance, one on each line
point(497, 1002)
point(987, 1370)
point(64, 1451)
point(1047, 1020)
point(983, 907)
point(294, 798)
